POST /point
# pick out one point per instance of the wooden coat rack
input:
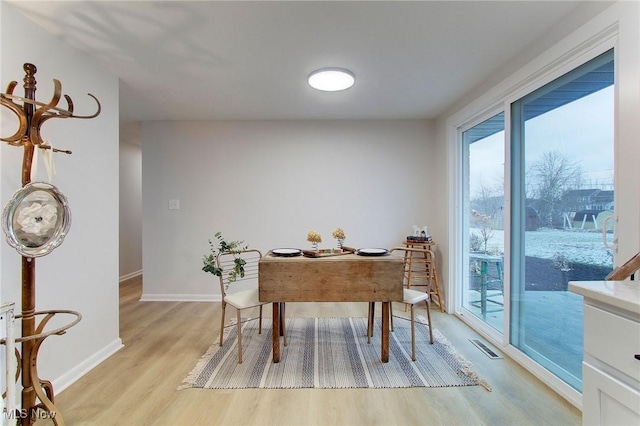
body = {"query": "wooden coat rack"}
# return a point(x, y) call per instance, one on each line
point(31, 115)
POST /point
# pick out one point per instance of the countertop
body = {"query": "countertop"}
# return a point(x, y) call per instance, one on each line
point(621, 294)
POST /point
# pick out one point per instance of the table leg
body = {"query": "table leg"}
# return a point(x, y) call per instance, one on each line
point(283, 320)
point(483, 288)
point(384, 355)
point(282, 315)
point(370, 320)
point(276, 332)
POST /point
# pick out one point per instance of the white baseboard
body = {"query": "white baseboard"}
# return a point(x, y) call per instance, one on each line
point(70, 377)
point(180, 298)
point(130, 275)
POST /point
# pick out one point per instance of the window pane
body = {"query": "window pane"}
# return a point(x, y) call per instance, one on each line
point(482, 287)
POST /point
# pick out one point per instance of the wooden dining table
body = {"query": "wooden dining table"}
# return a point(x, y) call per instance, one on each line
point(341, 278)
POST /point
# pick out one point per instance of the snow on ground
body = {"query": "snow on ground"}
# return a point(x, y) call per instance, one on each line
point(576, 246)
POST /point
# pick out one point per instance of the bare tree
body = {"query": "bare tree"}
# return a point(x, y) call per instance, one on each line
point(553, 174)
point(485, 217)
point(486, 197)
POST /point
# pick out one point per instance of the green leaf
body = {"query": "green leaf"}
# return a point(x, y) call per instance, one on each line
point(224, 246)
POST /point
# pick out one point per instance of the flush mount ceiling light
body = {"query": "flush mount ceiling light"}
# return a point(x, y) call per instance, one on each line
point(331, 79)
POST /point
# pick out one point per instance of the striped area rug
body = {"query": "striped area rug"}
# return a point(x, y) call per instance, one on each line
point(331, 353)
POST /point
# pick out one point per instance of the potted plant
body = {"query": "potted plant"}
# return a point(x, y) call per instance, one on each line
point(224, 246)
point(561, 262)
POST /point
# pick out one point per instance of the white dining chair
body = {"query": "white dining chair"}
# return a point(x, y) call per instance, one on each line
point(410, 297)
point(241, 291)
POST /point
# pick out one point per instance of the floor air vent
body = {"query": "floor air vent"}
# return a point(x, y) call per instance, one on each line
point(485, 349)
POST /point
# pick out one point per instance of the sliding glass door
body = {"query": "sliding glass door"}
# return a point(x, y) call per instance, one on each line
point(562, 194)
point(560, 175)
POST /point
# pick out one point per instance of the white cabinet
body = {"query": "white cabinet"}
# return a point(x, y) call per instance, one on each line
point(606, 400)
point(610, 370)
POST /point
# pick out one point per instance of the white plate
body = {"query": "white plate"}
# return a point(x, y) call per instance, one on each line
point(372, 251)
point(286, 252)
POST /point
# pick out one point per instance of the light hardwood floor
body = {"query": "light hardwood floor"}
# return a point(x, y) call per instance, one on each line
point(164, 340)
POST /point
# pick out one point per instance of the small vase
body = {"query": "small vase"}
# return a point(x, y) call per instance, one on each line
point(340, 243)
point(314, 246)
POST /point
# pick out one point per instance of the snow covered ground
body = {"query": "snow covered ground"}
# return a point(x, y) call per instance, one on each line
point(575, 245)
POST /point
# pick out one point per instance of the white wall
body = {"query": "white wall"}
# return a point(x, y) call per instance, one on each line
point(270, 182)
point(81, 274)
point(627, 155)
point(130, 200)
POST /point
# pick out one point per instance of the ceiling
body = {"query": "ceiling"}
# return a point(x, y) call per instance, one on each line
point(240, 60)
